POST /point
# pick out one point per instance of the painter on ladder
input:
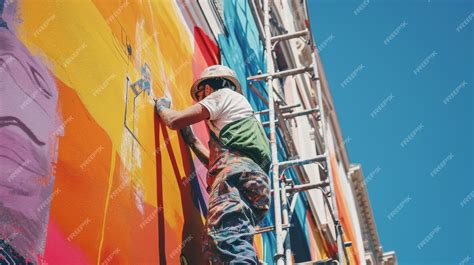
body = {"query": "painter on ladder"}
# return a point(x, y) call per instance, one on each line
point(238, 160)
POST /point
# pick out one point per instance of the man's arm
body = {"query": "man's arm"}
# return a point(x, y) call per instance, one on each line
point(198, 148)
point(179, 119)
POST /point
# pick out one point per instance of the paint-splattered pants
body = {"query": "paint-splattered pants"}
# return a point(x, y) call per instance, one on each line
point(237, 204)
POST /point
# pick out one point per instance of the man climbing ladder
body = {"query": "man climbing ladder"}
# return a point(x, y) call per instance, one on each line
point(238, 160)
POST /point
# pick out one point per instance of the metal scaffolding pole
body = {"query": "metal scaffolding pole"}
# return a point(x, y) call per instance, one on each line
point(282, 187)
point(279, 255)
point(338, 227)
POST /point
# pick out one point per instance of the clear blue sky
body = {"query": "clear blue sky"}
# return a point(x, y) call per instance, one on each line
point(401, 74)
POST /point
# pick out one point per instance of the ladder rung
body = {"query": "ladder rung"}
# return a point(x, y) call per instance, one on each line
point(288, 36)
point(284, 73)
point(290, 163)
point(283, 109)
point(270, 228)
point(300, 113)
point(293, 115)
point(307, 186)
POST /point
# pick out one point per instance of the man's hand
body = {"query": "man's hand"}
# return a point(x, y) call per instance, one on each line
point(188, 135)
point(162, 103)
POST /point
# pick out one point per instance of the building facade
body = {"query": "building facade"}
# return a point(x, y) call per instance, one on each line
point(89, 174)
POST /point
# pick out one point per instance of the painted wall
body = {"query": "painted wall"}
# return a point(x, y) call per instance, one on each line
point(89, 174)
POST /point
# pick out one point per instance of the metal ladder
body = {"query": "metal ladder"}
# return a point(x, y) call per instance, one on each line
point(282, 187)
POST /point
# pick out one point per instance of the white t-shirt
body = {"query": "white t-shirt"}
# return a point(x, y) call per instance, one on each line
point(225, 106)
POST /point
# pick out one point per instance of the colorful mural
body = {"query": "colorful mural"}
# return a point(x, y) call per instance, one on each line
point(89, 174)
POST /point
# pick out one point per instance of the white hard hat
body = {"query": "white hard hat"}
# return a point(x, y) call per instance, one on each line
point(216, 71)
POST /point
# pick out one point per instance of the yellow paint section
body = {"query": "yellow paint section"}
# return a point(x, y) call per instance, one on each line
point(316, 241)
point(86, 45)
point(100, 49)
